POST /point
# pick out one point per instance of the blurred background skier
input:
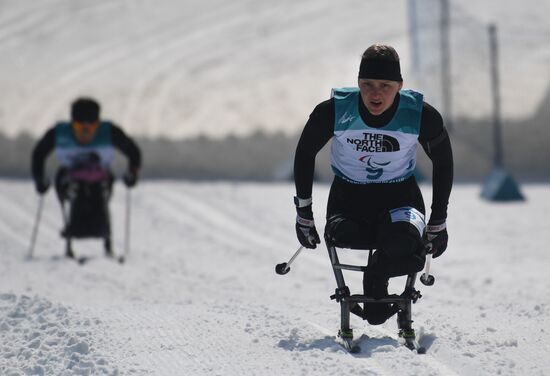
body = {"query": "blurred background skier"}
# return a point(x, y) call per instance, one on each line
point(85, 148)
point(374, 200)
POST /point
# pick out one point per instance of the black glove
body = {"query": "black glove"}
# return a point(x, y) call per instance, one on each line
point(131, 177)
point(436, 238)
point(305, 226)
point(42, 185)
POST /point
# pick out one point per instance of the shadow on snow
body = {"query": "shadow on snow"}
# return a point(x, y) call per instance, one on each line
point(368, 345)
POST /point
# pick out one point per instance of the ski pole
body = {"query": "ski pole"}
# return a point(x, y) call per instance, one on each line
point(284, 267)
point(126, 228)
point(35, 227)
point(426, 278)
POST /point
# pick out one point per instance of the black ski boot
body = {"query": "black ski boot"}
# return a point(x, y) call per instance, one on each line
point(376, 286)
point(406, 331)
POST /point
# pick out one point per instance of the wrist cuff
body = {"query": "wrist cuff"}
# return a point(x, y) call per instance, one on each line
point(305, 222)
point(436, 228)
point(302, 202)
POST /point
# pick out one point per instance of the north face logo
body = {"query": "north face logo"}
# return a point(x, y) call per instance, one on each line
point(375, 143)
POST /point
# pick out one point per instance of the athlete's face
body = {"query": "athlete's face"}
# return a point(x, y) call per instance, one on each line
point(378, 95)
point(84, 131)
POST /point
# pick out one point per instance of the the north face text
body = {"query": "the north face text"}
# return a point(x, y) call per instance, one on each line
point(374, 142)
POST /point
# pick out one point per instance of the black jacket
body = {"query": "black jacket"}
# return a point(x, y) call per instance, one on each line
point(433, 137)
point(120, 140)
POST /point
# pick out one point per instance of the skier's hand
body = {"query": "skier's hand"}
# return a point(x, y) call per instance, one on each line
point(130, 178)
point(436, 238)
point(42, 185)
point(305, 227)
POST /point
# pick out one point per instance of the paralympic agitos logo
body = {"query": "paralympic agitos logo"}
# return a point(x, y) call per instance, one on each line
point(374, 143)
point(374, 169)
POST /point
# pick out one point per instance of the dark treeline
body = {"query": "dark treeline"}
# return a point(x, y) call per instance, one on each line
point(267, 157)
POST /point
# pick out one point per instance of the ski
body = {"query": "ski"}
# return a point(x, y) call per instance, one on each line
point(409, 340)
point(413, 345)
point(350, 347)
point(83, 260)
point(120, 259)
point(80, 260)
point(346, 341)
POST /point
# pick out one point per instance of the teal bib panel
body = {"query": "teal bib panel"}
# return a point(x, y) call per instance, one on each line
point(363, 154)
point(72, 155)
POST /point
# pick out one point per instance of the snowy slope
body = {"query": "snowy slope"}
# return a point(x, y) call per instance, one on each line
point(181, 68)
point(160, 68)
point(199, 296)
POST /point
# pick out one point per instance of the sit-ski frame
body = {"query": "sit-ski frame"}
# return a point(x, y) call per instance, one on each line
point(350, 303)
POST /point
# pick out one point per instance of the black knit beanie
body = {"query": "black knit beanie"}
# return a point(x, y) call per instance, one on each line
point(85, 110)
point(380, 69)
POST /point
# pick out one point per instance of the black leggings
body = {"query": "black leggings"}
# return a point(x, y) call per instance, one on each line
point(358, 217)
point(89, 212)
point(65, 186)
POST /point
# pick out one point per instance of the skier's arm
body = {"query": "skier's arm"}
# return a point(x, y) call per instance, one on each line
point(317, 132)
point(39, 154)
point(437, 145)
point(128, 147)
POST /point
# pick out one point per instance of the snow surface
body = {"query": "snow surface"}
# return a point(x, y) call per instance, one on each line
point(198, 294)
point(176, 68)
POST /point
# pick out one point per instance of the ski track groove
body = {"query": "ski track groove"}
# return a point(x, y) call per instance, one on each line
point(166, 345)
point(437, 365)
point(226, 207)
point(214, 219)
point(26, 19)
point(69, 70)
point(165, 53)
point(169, 346)
point(159, 72)
point(23, 217)
point(469, 345)
point(165, 73)
point(221, 222)
point(240, 197)
point(82, 63)
point(22, 220)
point(168, 87)
point(95, 60)
point(217, 220)
point(243, 240)
point(187, 308)
point(17, 222)
point(376, 368)
point(179, 218)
